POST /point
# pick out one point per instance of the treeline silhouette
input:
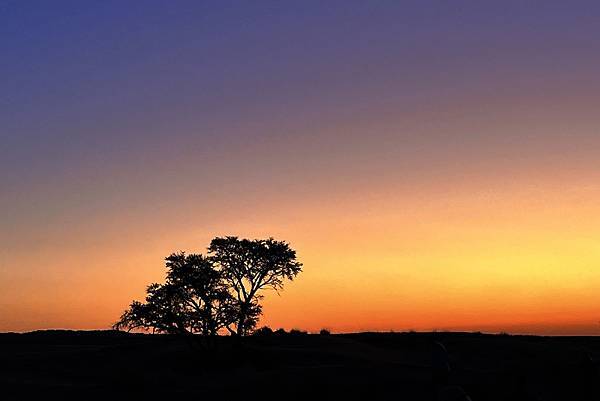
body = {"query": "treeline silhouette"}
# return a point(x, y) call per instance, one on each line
point(219, 291)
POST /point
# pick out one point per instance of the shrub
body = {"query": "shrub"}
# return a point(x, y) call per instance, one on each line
point(297, 332)
point(263, 331)
point(324, 332)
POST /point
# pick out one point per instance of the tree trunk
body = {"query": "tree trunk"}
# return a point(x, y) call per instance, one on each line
point(242, 319)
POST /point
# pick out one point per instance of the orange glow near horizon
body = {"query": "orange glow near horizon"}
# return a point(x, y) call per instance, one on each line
point(520, 258)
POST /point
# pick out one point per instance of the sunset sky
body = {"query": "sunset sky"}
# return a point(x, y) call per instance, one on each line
point(435, 164)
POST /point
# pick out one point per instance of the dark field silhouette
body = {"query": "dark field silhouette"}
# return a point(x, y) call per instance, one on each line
point(272, 366)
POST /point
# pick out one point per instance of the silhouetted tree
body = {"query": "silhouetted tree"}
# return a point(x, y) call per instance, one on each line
point(194, 299)
point(206, 294)
point(250, 266)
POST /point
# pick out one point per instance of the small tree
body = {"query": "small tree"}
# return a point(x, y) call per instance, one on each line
point(208, 298)
point(194, 299)
point(250, 266)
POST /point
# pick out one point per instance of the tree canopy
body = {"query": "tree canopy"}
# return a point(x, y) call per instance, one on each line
point(219, 291)
point(249, 266)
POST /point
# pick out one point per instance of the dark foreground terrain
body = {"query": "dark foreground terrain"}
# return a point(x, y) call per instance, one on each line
point(367, 366)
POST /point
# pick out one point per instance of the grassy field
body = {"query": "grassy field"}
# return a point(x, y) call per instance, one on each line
point(364, 366)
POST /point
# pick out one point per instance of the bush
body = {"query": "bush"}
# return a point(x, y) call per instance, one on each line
point(324, 332)
point(280, 332)
point(297, 332)
point(263, 331)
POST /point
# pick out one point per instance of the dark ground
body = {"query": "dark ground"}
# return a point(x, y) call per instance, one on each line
point(366, 366)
